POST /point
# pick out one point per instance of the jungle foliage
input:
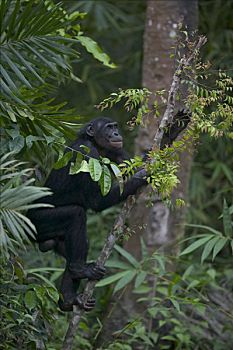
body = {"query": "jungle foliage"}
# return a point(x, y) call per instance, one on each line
point(45, 59)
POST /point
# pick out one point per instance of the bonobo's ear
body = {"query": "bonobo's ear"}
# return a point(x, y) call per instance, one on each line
point(90, 130)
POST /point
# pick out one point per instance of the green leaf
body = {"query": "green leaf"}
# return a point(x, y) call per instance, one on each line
point(85, 148)
point(187, 272)
point(30, 299)
point(53, 293)
point(175, 304)
point(227, 220)
point(117, 265)
point(111, 279)
point(64, 160)
point(232, 246)
point(207, 228)
point(208, 248)
point(160, 260)
point(127, 256)
point(219, 246)
point(95, 169)
point(16, 144)
point(92, 47)
point(196, 245)
point(84, 168)
point(106, 161)
point(193, 284)
point(105, 180)
point(117, 172)
point(140, 278)
point(124, 280)
point(75, 167)
point(16, 70)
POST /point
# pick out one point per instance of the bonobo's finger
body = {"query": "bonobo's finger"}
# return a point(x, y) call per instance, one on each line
point(100, 269)
point(141, 174)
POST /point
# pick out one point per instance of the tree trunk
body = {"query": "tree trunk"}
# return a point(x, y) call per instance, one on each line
point(158, 226)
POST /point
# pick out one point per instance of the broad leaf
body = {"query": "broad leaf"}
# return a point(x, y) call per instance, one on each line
point(95, 169)
point(30, 299)
point(75, 167)
point(105, 180)
point(92, 47)
point(64, 160)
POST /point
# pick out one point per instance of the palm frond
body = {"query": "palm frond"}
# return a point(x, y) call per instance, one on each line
point(16, 197)
point(29, 45)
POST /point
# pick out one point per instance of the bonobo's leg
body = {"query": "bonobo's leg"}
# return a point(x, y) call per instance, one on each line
point(76, 247)
point(73, 246)
point(51, 223)
point(64, 229)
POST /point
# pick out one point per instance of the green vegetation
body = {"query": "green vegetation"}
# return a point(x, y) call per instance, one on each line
point(46, 60)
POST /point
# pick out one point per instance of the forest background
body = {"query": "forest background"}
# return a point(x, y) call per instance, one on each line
point(30, 318)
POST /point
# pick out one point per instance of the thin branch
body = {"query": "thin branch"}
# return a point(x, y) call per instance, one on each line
point(118, 227)
point(169, 112)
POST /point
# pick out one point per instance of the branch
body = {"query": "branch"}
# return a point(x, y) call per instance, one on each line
point(118, 227)
point(169, 112)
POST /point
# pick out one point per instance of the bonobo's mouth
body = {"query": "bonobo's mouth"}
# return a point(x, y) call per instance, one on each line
point(116, 144)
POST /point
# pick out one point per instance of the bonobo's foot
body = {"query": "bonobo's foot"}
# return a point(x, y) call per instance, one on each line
point(67, 305)
point(47, 245)
point(90, 271)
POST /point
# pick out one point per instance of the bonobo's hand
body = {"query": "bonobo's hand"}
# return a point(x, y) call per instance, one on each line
point(90, 271)
point(179, 123)
point(145, 154)
point(141, 174)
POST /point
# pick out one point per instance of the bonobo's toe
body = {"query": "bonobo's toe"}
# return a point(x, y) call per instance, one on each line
point(87, 306)
point(47, 245)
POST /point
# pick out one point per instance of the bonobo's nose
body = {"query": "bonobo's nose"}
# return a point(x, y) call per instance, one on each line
point(117, 136)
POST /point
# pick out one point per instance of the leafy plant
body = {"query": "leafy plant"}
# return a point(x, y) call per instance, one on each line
point(38, 46)
point(27, 307)
point(16, 197)
point(215, 241)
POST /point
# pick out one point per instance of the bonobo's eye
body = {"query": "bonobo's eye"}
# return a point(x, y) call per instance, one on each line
point(110, 126)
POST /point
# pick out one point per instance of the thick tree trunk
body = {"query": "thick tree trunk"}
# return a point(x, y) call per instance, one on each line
point(158, 226)
point(161, 227)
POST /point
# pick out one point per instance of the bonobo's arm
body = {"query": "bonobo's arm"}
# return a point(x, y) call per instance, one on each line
point(99, 202)
point(179, 123)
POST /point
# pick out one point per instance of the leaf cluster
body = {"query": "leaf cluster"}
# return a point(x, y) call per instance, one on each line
point(17, 194)
point(214, 241)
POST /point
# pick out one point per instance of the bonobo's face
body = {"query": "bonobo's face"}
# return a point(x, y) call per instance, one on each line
point(106, 134)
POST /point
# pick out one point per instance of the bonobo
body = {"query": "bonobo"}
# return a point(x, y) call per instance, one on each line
point(63, 227)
